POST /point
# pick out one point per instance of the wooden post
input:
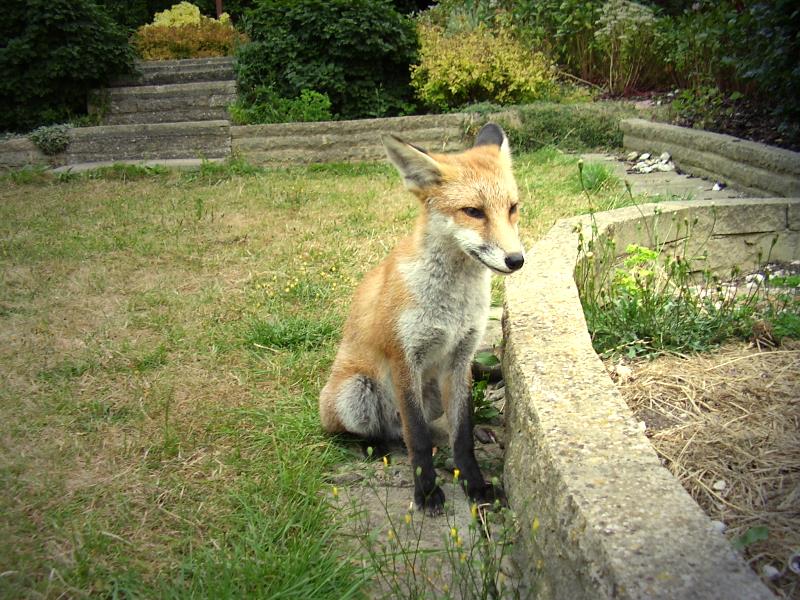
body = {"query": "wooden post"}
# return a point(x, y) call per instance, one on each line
point(219, 7)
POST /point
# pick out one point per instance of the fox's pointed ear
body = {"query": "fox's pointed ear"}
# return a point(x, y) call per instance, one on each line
point(418, 168)
point(492, 134)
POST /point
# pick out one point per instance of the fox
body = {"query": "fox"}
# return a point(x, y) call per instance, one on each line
point(417, 318)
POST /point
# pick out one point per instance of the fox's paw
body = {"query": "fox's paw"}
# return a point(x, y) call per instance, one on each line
point(488, 493)
point(432, 502)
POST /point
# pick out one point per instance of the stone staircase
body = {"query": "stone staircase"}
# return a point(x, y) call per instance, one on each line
point(171, 110)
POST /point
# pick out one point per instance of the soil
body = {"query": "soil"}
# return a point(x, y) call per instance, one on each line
point(727, 425)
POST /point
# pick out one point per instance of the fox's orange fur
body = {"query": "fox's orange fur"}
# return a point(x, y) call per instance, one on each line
point(417, 318)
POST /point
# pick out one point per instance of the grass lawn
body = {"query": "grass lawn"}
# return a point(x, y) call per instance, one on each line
point(163, 338)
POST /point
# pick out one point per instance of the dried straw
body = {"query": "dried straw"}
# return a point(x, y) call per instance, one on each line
point(727, 425)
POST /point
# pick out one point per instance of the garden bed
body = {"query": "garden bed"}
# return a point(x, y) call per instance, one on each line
point(611, 521)
point(726, 426)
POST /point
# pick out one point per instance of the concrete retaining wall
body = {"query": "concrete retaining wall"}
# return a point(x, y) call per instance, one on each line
point(205, 139)
point(344, 141)
point(279, 144)
point(757, 169)
point(170, 103)
point(20, 152)
point(159, 72)
point(612, 522)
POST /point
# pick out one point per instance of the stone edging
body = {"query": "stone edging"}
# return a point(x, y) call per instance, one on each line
point(279, 144)
point(600, 517)
point(755, 168)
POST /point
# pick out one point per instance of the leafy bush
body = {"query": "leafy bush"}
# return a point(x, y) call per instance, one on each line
point(53, 52)
point(183, 13)
point(51, 139)
point(626, 34)
point(564, 29)
point(748, 49)
point(569, 127)
point(265, 106)
point(182, 32)
point(357, 52)
point(478, 65)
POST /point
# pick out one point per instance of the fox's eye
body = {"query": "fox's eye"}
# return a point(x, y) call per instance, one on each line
point(513, 209)
point(475, 213)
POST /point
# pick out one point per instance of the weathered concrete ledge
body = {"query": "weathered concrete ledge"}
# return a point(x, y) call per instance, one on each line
point(755, 168)
point(344, 141)
point(600, 516)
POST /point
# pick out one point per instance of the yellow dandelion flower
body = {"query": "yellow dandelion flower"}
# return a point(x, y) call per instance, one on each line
point(335, 492)
point(473, 510)
point(453, 532)
point(535, 525)
point(408, 518)
point(456, 474)
point(385, 461)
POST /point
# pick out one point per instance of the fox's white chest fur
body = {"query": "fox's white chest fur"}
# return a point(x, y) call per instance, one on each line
point(451, 294)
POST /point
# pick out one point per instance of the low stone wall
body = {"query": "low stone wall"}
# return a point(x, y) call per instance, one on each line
point(203, 139)
point(344, 141)
point(757, 169)
point(170, 103)
point(20, 152)
point(600, 517)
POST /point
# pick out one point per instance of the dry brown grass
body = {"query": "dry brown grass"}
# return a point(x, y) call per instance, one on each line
point(727, 425)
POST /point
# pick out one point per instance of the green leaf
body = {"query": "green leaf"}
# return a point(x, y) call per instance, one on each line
point(486, 359)
point(755, 534)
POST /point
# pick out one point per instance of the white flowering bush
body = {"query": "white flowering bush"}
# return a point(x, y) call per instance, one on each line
point(626, 33)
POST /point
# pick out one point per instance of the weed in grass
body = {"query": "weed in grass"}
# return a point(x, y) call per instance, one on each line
point(789, 281)
point(216, 172)
point(482, 409)
point(415, 556)
point(289, 333)
point(594, 177)
point(26, 176)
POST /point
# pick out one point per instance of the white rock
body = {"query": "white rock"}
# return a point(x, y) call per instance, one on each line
point(623, 372)
point(648, 169)
point(632, 156)
point(718, 187)
point(770, 572)
point(720, 485)
point(794, 563)
point(664, 157)
point(719, 526)
point(664, 167)
point(644, 156)
point(754, 278)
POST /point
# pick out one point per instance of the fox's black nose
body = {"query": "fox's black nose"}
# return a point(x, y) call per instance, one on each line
point(515, 260)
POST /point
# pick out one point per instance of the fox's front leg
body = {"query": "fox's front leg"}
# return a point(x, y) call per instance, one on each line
point(417, 436)
point(458, 395)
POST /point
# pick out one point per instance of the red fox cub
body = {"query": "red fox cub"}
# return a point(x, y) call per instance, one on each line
point(417, 318)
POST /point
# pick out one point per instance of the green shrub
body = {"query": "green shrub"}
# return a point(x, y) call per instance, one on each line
point(357, 52)
point(265, 106)
point(182, 32)
point(478, 65)
point(53, 52)
point(574, 127)
point(564, 30)
point(51, 139)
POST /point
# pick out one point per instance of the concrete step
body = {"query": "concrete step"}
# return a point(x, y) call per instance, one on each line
point(161, 141)
point(160, 72)
point(170, 103)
